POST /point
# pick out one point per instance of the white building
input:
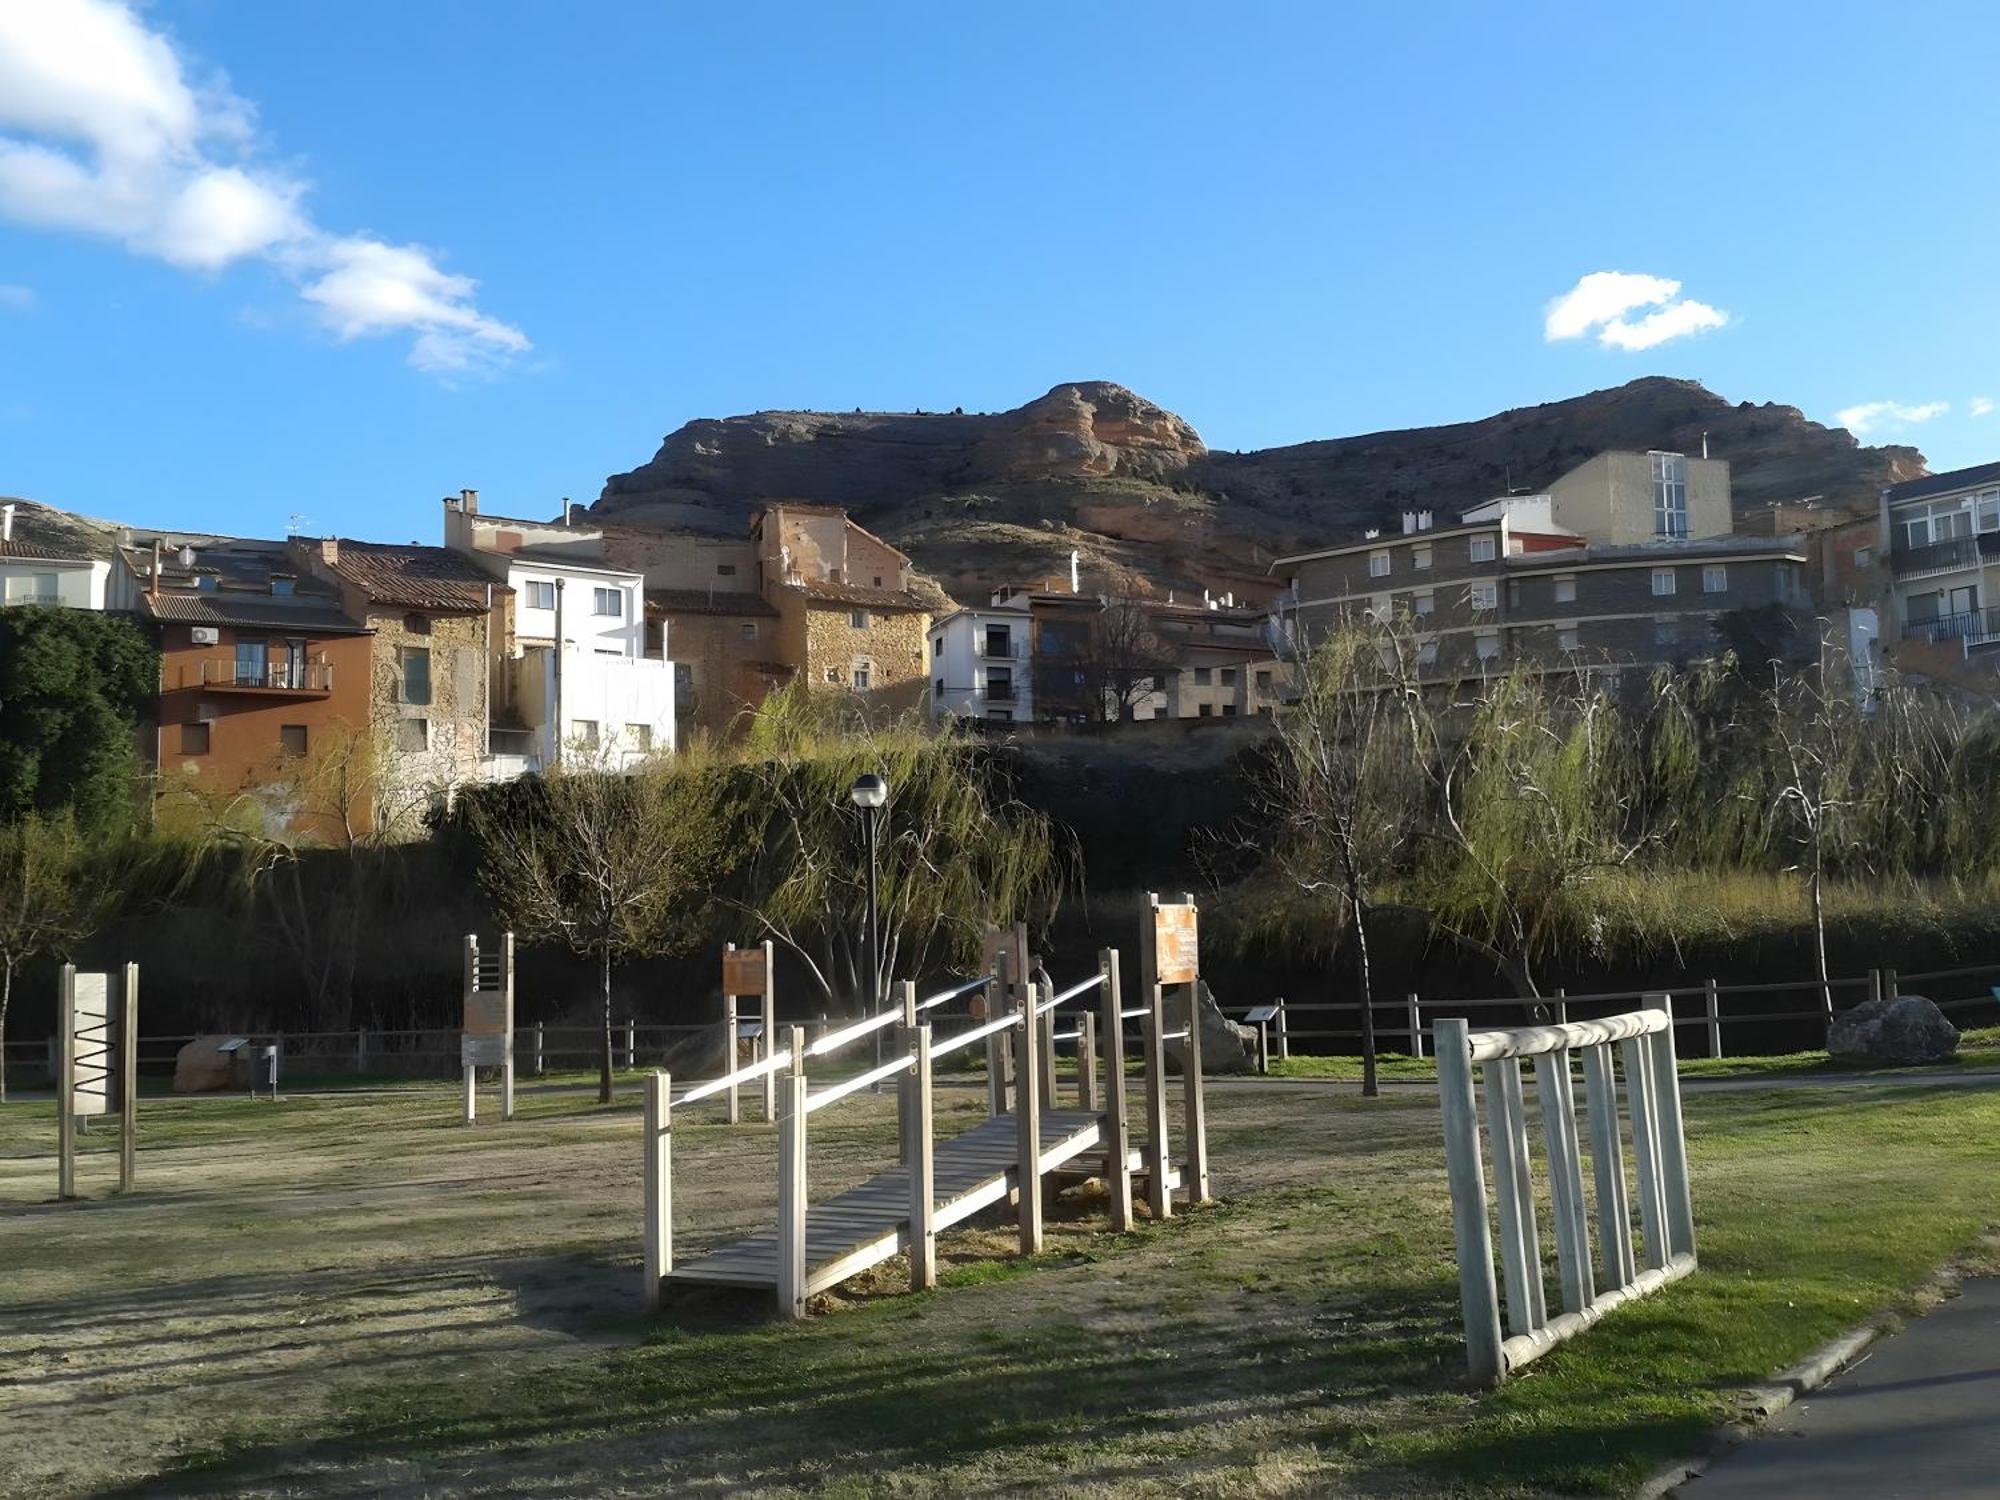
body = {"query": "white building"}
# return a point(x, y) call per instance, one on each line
point(572, 681)
point(1943, 535)
point(47, 558)
point(980, 663)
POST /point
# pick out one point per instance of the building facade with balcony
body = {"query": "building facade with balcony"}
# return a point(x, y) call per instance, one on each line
point(263, 675)
point(1943, 542)
point(49, 558)
point(981, 664)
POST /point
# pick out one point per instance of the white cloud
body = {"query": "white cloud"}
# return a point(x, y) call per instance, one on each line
point(102, 133)
point(1602, 300)
point(1873, 416)
point(1980, 406)
point(14, 298)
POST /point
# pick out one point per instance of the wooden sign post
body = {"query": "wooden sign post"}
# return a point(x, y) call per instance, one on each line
point(1170, 956)
point(486, 1036)
point(99, 1032)
point(1006, 953)
point(747, 975)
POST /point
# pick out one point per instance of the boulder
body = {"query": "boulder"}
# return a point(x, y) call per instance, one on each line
point(200, 1069)
point(1225, 1046)
point(1907, 1029)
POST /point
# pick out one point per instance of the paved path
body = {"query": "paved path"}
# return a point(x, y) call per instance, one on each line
point(1919, 1416)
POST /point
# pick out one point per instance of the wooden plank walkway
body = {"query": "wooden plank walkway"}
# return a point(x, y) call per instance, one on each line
point(866, 1225)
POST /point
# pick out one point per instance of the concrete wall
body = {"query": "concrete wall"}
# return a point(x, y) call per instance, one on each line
point(615, 694)
point(1609, 498)
point(71, 585)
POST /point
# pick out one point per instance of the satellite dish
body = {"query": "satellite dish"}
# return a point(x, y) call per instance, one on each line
point(187, 557)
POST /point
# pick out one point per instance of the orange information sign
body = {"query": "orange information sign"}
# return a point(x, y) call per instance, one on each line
point(1176, 956)
point(743, 971)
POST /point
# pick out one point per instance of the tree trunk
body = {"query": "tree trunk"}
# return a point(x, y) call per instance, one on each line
point(1370, 1088)
point(6, 997)
point(604, 1053)
point(1819, 934)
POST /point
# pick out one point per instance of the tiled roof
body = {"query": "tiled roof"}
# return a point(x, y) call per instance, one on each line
point(49, 535)
point(38, 554)
point(275, 612)
point(706, 602)
point(415, 577)
point(1943, 484)
point(853, 593)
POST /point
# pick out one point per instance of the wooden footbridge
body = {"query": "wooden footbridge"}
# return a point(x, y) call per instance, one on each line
point(1010, 1157)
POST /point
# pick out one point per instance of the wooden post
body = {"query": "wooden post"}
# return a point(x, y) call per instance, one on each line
point(1117, 1129)
point(1672, 1138)
point(999, 999)
point(360, 1052)
point(1639, 1085)
point(1889, 990)
point(1045, 1051)
point(792, 1184)
point(659, 1186)
point(1874, 984)
point(1086, 1060)
point(471, 1076)
point(1607, 1163)
point(1478, 1297)
point(1159, 1197)
point(767, 1044)
point(1416, 1026)
point(66, 1087)
point(1520, 1241)
point(732, 1104)
point(1712, 1011)
point(128, 1073)
point(922, 1158)
point(1028, 1120)
point(1264, 1048)
point(1196, 1109)
point(906, 1002)
point(631, 1043)
point(1566, 1201)
point(1284, 1036)
point(1562, 1006)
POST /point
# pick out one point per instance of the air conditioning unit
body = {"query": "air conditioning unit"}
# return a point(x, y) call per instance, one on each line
point(204, 635)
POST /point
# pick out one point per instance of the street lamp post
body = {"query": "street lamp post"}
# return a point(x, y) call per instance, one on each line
point(870, 792)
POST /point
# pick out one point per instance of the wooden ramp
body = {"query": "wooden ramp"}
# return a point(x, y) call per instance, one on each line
point(866, 1225)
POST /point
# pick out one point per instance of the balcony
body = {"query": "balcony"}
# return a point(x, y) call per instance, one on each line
point(1975, 627)
point(313, 677)
point(1002, 650)
point(44, 599)
point(1945, 557)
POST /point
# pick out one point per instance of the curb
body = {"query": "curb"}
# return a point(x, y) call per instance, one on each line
point(1759, 1403)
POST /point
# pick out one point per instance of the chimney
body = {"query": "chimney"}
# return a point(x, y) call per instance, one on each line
point(1409, 522)
point(329, 551)
point(1704, 445)
point(468, 502)
point(565, 510)
point(1424, 520)
point(1075, 572)
point(7, 522)
point(153, 583)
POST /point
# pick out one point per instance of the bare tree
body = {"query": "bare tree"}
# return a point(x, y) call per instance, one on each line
point(601, 863)
point(1127, 660)
point(50, 900)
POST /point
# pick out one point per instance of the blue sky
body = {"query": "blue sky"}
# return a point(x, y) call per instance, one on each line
point(335, 260)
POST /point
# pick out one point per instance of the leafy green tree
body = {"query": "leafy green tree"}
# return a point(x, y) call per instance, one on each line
point(51, 899)
point(74, 685)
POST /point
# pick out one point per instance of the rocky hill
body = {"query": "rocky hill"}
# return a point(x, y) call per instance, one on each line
point(979, 499)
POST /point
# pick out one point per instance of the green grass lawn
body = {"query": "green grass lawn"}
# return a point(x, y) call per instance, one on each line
point(1299, 1336)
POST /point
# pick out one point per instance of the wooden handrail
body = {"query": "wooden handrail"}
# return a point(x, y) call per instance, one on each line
point(1527, 1041)
point(857, 1083)
point(743, 1074)
point(977, 1034)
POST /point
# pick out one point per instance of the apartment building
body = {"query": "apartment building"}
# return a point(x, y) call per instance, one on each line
point(1628, 559)
point(434, 617)
point(571, 681)
point(261, 669)
point(48, 558)
point(1943, 542)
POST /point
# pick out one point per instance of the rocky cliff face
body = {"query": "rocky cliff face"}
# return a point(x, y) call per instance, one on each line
point(983, 499)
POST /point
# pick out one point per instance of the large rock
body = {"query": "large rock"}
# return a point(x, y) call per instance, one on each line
point(200, 1069)
point(1907, 1029)
point(1225, 1046)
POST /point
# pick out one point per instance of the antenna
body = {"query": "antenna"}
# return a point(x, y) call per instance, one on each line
point(295, 524)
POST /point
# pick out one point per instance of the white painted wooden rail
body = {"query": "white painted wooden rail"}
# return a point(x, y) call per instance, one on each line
point(1644, 1045)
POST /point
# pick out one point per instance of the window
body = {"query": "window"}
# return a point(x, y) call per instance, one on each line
point(1988, 507)
point(608, 602)
point(1378, 564)
point(1206, 711)
point(1715, 579)
point(937, 645)
point(1484, 595)
point(204, 583)
point(1000, 684)
point(857, 619)
point(282, 587)
point(413, 734)
point(194, 739)
point(937, 688)
point(642, 737)
point(833, 674)
point(1864, 557)
point(878, 582)
point(1666, 629)
point(1670, 494)
point(541, 593)
point(1226, 676)
point(1264, 681)
point(251, 659)
point(1420, 555)
point(1427, 652)
point(1482, 549)
point(1788, 581)
point(725, 570)
point(292, 738)
point(1203, 676)
point(1486, 645)
point(1663, 582)
point(864, 676)
point(998, 643)
point(584, 732)
point(1229, 710)
point(417, 624)
point(1423, 602)
point(1565, 588)
point(747, 630)
point(414, 675)
point(1566, 638)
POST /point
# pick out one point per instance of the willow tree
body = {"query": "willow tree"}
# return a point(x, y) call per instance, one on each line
point(1346, 794)
point(51, 898)
point(955, 849)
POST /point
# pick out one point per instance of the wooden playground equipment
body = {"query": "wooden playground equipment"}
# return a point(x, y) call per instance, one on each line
point(1009, 1157)
point(486, 1032)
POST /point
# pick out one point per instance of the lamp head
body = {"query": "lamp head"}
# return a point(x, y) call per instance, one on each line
point(871, 791)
